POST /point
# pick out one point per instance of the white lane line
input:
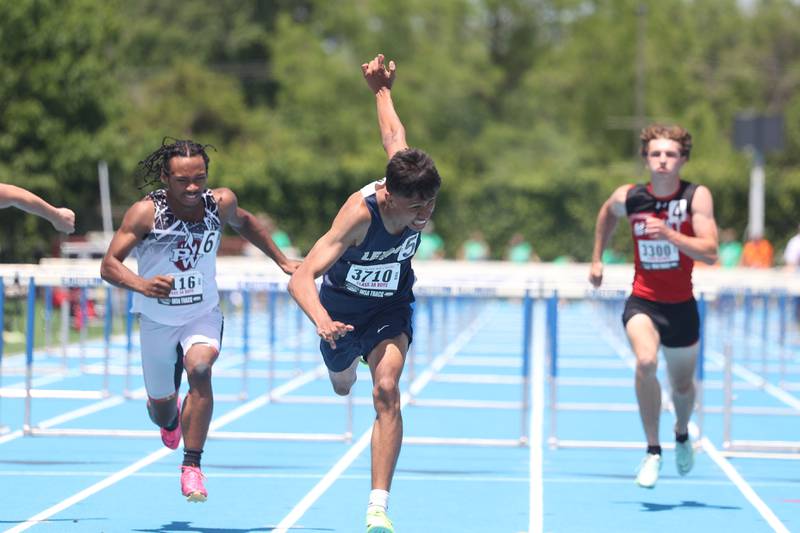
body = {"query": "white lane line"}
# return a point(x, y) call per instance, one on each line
point(522, 480)
point(277, 475)
point(45, 380)
point(89, 409)
point(352, 454)
point(163, 452)
point(756, 380)
point(71, 415)
point(536, 503)
point(97, 487)
point(736, 478)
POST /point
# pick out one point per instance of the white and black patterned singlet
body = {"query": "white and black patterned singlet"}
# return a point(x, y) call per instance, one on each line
point(187, 251)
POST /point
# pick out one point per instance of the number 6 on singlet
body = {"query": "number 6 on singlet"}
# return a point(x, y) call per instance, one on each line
point(209, 242)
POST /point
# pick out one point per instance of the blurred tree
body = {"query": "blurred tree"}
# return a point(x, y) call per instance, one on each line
point(59, 95)
point(529, 107)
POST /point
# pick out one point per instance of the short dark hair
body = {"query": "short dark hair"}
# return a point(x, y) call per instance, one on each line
point(152, 167)
point(673, 133)
point(412, 173)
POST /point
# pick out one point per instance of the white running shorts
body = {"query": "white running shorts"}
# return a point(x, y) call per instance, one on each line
point(160, 348)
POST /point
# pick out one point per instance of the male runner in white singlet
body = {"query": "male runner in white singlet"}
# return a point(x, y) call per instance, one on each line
point(175, 233)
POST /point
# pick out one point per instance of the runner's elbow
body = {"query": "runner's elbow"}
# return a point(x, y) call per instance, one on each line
point(710, 258)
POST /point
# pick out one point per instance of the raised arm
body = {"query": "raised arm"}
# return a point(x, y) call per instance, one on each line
point(380, 80)
point(612, 210)
point(135, 226)
point(248, 226)
point(61, 218)
point(348, 228)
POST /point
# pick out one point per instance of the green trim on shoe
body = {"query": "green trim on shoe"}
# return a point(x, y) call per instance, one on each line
point(378, 522)
point(684, 457)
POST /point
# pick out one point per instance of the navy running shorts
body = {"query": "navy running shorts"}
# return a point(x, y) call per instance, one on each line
point(369, 331)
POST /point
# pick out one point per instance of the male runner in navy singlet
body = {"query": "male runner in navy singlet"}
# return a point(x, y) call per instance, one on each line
point(672, 223)
point(364, 305)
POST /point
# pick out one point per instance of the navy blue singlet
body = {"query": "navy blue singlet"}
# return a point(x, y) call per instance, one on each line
point(375, 274)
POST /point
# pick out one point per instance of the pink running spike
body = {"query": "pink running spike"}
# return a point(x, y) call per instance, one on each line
point(192, 484)
point(172, 439)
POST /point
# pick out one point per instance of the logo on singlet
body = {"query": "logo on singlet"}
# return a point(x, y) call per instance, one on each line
point(676, 213)
point(189, 251)
point(403, 251)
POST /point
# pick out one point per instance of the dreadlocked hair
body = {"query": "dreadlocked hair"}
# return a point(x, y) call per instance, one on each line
point(155, 165)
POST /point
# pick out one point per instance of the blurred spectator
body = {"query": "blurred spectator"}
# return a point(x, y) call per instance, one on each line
point(431, 245)
point(791, 254)
point(730, 249)
point(72, 296)
point(520, 250)
point(611, 257)
point(475, 248)
point(757, 253)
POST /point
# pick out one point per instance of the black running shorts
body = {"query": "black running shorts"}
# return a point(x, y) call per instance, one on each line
point(677, 324)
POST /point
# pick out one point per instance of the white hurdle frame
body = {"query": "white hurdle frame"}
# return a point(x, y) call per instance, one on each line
point(731, 446)
point(463, 299)
point(553, 380)
point(736, 447)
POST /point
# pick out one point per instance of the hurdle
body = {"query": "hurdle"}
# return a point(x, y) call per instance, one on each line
point(605, 299)
point(731, 369)
point(30, 392)
point(461, 309)
point(755, 309)
point(463, 306)
point(465, 300)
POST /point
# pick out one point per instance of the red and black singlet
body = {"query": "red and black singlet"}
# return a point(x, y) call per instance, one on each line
point(663, 273)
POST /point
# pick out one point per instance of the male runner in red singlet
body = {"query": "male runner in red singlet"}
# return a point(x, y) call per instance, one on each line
point(672, 222)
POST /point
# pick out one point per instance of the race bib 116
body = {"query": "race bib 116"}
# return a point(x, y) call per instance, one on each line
point(187, 288)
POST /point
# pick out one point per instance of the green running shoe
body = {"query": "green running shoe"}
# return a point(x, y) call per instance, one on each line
point(648, 471)
point(378, 522)
point(684, 457)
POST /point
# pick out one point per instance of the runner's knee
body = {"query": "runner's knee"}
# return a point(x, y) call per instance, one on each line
point(199, 373)
point(647, 366)
point(682, 384)
point(162, 412)
point(342, 384)
point(386, 393)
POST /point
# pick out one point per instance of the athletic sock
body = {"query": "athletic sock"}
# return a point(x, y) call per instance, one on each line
point(191, 457)
point(378, 498)
point(654, 450)
point(681, 437)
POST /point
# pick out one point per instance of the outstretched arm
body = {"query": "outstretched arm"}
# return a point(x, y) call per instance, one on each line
point(61, 218)
point(248, 226)
point(613, 209)
point(380, 79)
point(348, 228)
